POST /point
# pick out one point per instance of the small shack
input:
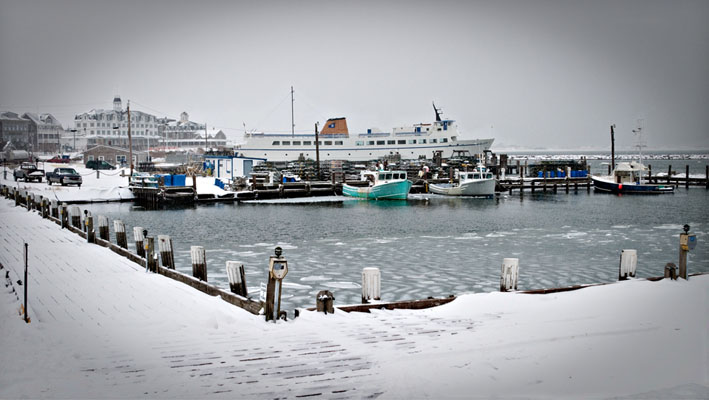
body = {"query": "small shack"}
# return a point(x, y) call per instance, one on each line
point(226, 168)
point(117, 156)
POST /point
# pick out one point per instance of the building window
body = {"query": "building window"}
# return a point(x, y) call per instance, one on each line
point(401, 142)
point(328, 143)
point(370, 143)
point(286, 143)
point(444, 140)
point(275, 143)
point(434, 140)
point(359, 143)
point(296, 143)
point(307, 143)
point(338, 142)
point(412, 141)
point(380, 142)
point(391, 141)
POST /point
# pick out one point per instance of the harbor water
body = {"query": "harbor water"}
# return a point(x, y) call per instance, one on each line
point(431, 245)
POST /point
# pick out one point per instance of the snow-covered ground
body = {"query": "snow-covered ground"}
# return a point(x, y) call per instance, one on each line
point(104, 328)
point(110, 185)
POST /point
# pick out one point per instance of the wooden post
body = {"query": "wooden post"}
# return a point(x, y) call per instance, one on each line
point(120, 229)
point(138, 238)
point(237, 278)
point(26, 283)
point(199, 263)
point(371, 284)
point(567, 185)
point(532, 186)
point(628, 264)
point(90, 233)
point(324, 302)
point(55, 209)
point(17, 196)
point(45, 208)
point(76, 217)
point(682, 263)
point(706, 175)
point(510, 272)
point(669, 173)
point(671, 271)
point(166, 253)
point(103, 227)
point(519, 172)
point(64, 215)
point(686, 176)
point(29, 200)
point(150, 259)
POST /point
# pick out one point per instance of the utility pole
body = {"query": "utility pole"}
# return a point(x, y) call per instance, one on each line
point(317, 150)
point(612, 149)
point(130, 144)
point(292, 120)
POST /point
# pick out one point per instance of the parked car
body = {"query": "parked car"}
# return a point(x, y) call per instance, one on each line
point(64, 176)
point(59, 159)
point(99, 164)
point(28, 172)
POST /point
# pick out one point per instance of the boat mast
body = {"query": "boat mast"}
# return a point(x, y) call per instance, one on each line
point(292, 121)
point(613, 147)
point(639, 140)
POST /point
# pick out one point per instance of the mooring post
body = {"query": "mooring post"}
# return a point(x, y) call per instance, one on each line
point(76, 217)
point(120, 228)
point(166, 253)
point(706, 176)
point(237, 278)
point(277, 270)
point(324, 302)
point(649, 173)
point(138, 238)
point(669, 173)
point(532, 184)
point(55, 209)
point(687, 241)
point(510, 272)
point(628, 264)
point(671, 271)
point(45, 208)
point(686, 176)
point(28, 201)
point(103, 227)
point(150, 259)
point(64, 215)
point(16, 192)
point(90, 233)
point(27, 320)
point(199, 262)
point(371, 284)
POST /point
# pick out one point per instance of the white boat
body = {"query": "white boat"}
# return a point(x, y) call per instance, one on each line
point(335, 142)
point(478, 182)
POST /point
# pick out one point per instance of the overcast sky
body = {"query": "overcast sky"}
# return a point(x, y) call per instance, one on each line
point(552, 74)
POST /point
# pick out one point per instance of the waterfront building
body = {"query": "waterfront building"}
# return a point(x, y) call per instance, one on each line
point(45, 131)
point(184, 134)
point(110, 127)
point(114, 155)
point(16, 131)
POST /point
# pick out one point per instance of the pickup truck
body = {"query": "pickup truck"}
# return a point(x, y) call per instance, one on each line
point(28, 172)
point(64, 176)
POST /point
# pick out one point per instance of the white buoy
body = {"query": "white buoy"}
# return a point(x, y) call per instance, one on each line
point(371, 284)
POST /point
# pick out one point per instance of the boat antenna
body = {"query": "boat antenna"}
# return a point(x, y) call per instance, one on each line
point(639, 143)
point(292, 121)
point(613, 146)
point(438, 112)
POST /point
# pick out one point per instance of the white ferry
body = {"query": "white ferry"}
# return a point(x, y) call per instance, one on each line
point(335, 143)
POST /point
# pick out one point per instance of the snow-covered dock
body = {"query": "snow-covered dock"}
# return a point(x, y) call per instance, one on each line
point(102, 327)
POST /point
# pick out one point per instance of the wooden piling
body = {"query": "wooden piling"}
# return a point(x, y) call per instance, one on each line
point(166, 253)
point(567, 185)
point(120, 229)
point(682, 263)
point(649, 173)
point(532, 185)
point(75, 217)
point(103, 227)
point(669, 173)
point(199, 262)
point(671, 271)
point(17, 197)
point(55, 209)
point(324, 302)
point(371, 284)
point(64, 215)
point(686, 176)
point(510, 272)
point(138, 238)
point(28, 201)
point(628, 264)
point(150, 254)
point(706, 176)
point(237, 278)
point(90, 233)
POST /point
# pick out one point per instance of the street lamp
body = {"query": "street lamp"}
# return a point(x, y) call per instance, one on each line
point(74, 147)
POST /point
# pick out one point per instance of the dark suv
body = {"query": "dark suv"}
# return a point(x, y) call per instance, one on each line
point(99, 164)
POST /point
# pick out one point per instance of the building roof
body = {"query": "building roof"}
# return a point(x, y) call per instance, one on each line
point(113, 148)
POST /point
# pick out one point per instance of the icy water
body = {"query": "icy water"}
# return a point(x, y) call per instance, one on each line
point(432, 245)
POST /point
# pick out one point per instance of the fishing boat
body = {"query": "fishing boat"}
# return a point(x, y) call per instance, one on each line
point(627, 177)
point(333, 142)
point(381, 185)
point(478, 182)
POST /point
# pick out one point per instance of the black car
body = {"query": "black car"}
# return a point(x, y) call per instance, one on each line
point(99, 164)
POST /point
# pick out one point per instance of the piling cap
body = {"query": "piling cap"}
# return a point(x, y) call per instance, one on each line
point(686, 228)
point(278, 251)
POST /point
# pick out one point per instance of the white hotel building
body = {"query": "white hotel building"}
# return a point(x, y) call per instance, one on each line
point(110, 127)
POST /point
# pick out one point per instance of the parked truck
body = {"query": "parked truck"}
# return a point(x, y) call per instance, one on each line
point(64, 176)
point(28, 172)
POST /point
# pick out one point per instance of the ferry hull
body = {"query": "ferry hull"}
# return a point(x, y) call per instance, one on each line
point(386, 191)
point(605, 185)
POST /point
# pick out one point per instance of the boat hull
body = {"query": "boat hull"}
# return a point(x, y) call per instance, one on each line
point(608, 186)
point(484, 187)
point(385, 191)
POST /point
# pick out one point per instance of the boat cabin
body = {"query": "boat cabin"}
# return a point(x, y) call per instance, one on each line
point(628, 172)
point(376, 177)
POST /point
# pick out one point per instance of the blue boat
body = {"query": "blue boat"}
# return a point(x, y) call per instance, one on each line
point(384, 185)
point(627, 179)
